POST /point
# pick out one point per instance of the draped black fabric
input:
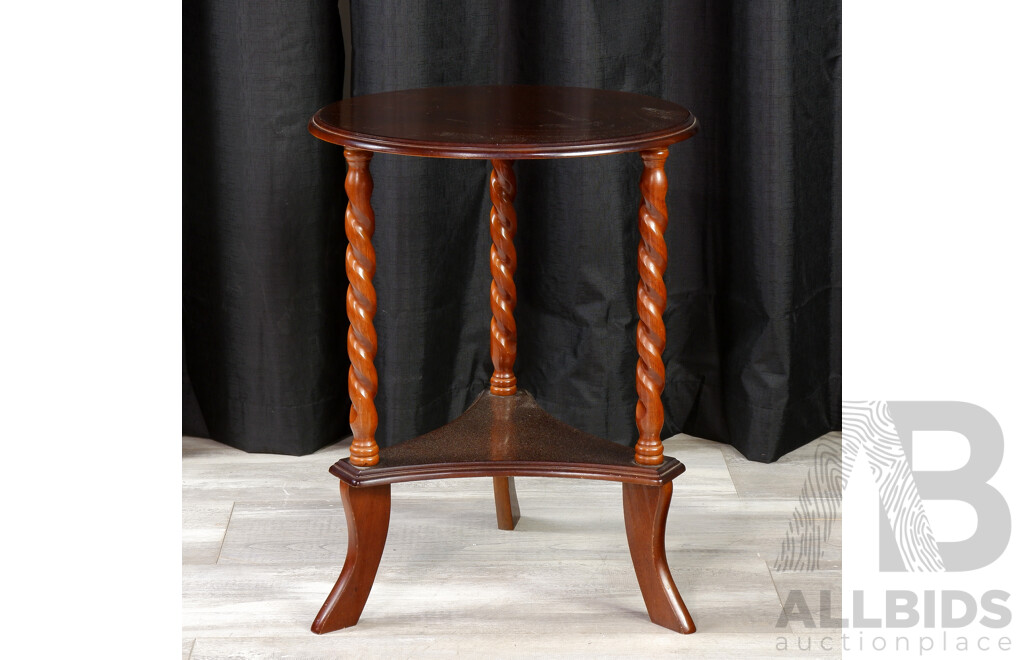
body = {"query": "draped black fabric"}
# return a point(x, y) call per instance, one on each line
point(753, 317)
point(264, 238)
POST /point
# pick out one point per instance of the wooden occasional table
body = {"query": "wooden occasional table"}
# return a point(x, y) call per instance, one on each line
point(504, 433)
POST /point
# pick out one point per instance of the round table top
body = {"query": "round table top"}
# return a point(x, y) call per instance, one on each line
point(503, 121)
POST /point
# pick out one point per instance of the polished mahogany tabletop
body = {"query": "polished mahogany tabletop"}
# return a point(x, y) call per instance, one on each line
point(503, 121)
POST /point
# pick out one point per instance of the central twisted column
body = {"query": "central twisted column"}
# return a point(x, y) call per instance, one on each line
point(361, 304)
point(652, 257)
point(503, 268)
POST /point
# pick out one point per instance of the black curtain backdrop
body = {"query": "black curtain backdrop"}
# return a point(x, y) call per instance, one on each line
point(753, 318)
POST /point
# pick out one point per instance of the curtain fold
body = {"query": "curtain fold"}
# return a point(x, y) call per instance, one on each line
point(753, 318)
point(263, 225)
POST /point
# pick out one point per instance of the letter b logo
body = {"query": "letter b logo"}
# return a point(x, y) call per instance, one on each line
point(967, 484)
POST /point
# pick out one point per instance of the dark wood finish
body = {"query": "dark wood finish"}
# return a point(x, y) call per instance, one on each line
point(368, 512)
point(506, 504)
point(361, 304)
point(506, 122)
point(651, 296)
point(646, 510)
point(506, 436)
point(503, 269)
point(504, 433)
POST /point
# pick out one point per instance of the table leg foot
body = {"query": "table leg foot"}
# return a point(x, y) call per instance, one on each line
point(368, 512)
point(646, 510)
point(505, 502)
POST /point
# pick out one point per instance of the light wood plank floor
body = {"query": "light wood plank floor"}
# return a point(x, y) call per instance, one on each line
point(263, 540)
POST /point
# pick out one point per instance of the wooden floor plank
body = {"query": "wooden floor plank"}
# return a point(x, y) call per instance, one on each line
point(725, 593)
point(818, 590)
point(203, 525)
point(588, 523)
point(784, 478)
point(450, 582)
point(602, 642)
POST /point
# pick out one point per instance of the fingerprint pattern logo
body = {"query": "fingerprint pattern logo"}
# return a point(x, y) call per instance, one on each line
point(817, 512)
point(867, 427)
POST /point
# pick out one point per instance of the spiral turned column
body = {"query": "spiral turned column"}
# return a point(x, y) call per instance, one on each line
point(650, 302)
point(361, 304)
point(503, 268)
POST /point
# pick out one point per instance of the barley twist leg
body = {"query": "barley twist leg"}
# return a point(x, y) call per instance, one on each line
point(650, 302)
point(503, 268)
point(361, 304)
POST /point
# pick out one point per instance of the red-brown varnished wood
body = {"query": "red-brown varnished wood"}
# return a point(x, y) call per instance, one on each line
point(651, 296)
point(361, 304)
point(368, 512)
point(503, 269)
point(646, 510)
point(506, 504)
point(504, 433)
point(502, 441)
point(505, 436)
point(503, 121)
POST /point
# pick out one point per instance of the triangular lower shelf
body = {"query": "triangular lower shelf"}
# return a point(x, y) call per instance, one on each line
point(507, 436)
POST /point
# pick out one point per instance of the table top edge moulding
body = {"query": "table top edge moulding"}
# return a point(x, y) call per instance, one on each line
point(504, 433)
point(503, 122)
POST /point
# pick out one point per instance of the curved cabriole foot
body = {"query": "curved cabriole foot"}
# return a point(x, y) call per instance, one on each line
point(646, 510)
point(367, 511)
point(506, 505)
